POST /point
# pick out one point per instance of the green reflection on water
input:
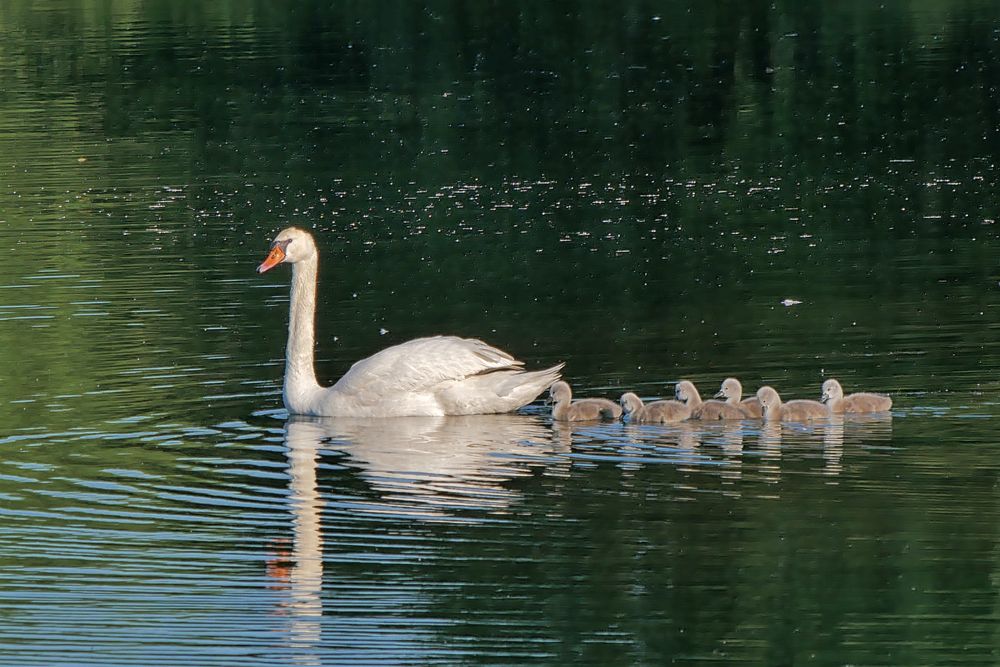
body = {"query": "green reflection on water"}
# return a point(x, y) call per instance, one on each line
point(630, 188)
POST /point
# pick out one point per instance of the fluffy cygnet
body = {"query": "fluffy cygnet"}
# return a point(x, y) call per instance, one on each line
point(732, 391)
point(565, 409)
point(833, 396)
point(800, 410)
point(687, 393)
point(657, 412)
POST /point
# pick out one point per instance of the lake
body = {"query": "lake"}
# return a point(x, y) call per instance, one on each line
point(648, 192)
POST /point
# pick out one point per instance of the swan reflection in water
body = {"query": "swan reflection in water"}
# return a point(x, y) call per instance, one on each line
point(432, 467)
point(299, 568)
point(418, 467)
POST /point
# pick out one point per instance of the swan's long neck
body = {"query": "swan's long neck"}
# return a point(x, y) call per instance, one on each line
point(300, 376)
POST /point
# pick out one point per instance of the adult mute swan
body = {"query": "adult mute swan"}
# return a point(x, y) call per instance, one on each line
point(441, 375)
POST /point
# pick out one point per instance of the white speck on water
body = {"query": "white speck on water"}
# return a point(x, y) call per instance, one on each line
point(382, 332)
point(790, 302)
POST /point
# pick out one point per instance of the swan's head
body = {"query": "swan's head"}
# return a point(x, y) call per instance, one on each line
point(559, 392)
point(730, 387)
point(630, 403)
point(831, 391)
point(685, 391)
point(769, 400)
point(289, 246)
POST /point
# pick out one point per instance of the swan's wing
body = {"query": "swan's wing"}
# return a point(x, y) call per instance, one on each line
point(422, 364)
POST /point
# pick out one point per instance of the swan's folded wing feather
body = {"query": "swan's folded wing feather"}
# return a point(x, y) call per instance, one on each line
point(422, 364)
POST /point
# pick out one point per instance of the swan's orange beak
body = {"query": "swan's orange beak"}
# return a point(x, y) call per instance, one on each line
point(275, 257)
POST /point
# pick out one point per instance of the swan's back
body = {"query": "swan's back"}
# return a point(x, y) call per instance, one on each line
point(438, 375)
point(423, 362)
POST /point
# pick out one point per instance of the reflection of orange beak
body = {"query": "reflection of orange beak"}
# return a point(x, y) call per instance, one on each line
point(275, 257)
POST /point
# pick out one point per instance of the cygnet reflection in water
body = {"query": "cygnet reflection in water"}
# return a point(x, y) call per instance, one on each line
point(838, 436)
point(432, 466)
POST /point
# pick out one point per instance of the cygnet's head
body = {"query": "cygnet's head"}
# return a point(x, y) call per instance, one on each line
point(685, 391)
point(831, 391)
point(559, 392)
point(630, 403)
point(730, 387)
point(769, 399)
point(289, 246)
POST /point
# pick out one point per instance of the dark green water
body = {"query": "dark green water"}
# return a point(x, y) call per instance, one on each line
point(632, 188)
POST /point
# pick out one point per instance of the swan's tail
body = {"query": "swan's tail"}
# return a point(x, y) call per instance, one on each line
point(502, 390)
point(525, 386)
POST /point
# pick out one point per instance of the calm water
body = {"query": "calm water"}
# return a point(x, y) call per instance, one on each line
point(633, 189)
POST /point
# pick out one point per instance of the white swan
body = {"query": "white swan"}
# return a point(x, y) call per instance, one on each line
point(441, 375)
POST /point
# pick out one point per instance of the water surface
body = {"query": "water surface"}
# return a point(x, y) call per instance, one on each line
point(634, 190)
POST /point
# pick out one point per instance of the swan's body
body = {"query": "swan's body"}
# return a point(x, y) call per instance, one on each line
point(441, 375)
point(687, 393)
point(833, 396)
point(732, 391)
point(564, 408)
point(657, 412)
point(799, 410)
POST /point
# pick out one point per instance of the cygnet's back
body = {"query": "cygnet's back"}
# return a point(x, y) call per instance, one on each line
point(799, 410)
point(833, 396)
point(732, 391)
point(657, 412)
point(687, 393)
point(564, 408)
